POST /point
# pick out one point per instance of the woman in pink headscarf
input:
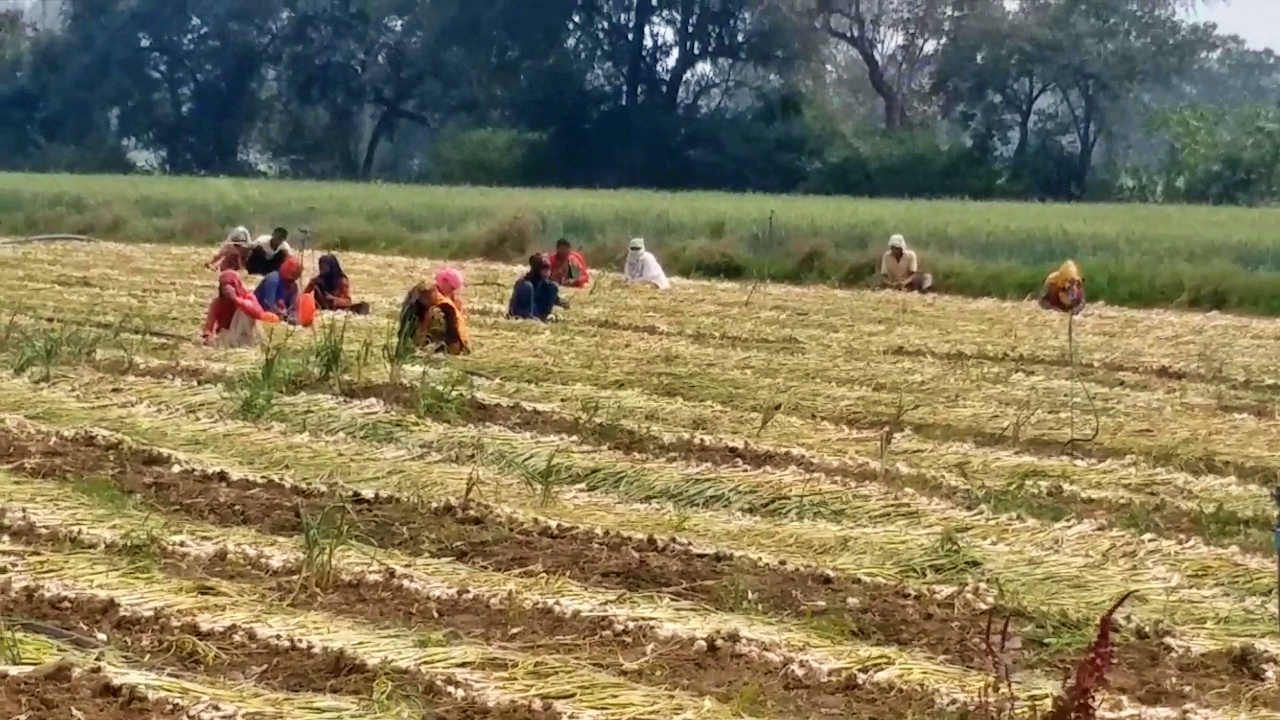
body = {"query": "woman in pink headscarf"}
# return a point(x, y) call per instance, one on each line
point(432, 315)
point(233, 316)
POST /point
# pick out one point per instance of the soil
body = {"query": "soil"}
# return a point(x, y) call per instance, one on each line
point(877, 614)
point(1163, 519)
point(54, 693)
point(637, 654)
point(169, 642)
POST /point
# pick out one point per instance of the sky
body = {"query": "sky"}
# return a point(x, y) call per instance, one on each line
point(1257, 21)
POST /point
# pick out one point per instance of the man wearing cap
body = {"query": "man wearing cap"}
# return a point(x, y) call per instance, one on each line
point(900, 268)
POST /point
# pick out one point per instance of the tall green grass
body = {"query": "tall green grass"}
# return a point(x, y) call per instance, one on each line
point(1141, 255)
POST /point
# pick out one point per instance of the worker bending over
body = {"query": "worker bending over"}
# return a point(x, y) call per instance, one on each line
point(900, 268)
point(278, 291)
point(267, 253)
point(432, 316)
point(331, 288)
point(234, 314)
point(535, 296)
point(568, 267)
point(1063, 290)
point(642, 267)
point(231, 253)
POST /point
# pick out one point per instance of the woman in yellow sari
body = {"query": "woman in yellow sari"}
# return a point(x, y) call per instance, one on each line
point(1064, 290)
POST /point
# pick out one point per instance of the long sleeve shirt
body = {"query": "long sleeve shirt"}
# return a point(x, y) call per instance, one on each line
point(277, 295)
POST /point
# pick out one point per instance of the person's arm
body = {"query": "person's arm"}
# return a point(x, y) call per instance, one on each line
point(210, 320)
point(452, 338)
point(913, 267)
point(341, 300)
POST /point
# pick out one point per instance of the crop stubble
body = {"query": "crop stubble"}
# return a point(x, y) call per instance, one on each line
point(1145, 670)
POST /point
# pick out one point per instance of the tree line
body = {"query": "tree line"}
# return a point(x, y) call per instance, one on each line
point(1046, 99)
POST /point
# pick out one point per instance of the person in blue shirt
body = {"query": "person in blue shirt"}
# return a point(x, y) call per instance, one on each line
point(535, 297)
point(278, 291)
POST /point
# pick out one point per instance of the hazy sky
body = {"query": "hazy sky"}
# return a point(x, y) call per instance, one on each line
point(1257, 21)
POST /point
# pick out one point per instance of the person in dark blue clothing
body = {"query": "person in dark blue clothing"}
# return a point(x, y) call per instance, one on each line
point(535, 297)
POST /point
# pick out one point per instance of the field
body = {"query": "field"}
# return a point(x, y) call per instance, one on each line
point(1132, 255)
point(727, 501)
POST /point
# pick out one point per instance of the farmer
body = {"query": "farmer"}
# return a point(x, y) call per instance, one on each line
point(278, 291)
point(568, 267)
point(900, 268)
point(231, 254)
point(1063, 290)
point(331, 288)
point(267, 254)
point(535, 296)
point(233, 316)
point(642, 267)
point(432, 315)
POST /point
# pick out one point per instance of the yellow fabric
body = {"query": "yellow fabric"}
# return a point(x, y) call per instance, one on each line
point(431, 327)
point(463, 334)
point(1067, 274)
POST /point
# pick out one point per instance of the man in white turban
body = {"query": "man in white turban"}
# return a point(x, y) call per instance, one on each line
point(642, 267)
point(900, 268)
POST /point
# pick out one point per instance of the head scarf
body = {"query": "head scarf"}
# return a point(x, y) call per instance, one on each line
point(449, 281)
point(291, 269)
point(232, 278)
point(239, 236)
point(637, 245)
point(331, 273)
point(1066, 274)
point(897, 242)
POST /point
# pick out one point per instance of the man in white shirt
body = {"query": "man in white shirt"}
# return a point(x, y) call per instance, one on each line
point(267, 253)
point(900, 268)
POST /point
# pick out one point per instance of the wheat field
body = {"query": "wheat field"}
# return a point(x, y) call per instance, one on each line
point(725, 501)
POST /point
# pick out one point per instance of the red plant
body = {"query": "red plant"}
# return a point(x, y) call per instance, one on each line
point(1078, 694)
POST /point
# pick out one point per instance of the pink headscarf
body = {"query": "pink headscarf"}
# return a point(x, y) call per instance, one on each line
point(449, 281)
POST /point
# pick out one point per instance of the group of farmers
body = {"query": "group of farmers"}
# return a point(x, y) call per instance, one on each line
point(432, 315)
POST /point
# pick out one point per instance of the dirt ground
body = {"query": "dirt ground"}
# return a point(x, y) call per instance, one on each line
point(840, 607)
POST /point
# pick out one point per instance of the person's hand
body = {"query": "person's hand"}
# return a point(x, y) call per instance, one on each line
point(270, 318)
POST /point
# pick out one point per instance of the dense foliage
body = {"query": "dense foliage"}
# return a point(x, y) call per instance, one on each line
point(1054, 99)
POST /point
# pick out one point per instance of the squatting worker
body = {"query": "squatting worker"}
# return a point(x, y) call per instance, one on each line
point(432, 316)
point(231, 253)
point(267, 253)
point(900, 268)
point(535, 296)
point(332, 289)
point(1064, 289)
point(278, 291)
point(234, 314)
point(641, 267)
point(568, 267)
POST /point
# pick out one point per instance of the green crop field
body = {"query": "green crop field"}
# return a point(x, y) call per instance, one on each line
point(1176, 256)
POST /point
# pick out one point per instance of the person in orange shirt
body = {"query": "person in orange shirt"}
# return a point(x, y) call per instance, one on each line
point(432, 316)
point(568, 267)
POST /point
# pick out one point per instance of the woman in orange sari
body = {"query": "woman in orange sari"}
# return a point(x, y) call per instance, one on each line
point(432, 316)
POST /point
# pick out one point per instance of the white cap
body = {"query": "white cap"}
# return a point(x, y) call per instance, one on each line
point(899, 242)
point(637, 243)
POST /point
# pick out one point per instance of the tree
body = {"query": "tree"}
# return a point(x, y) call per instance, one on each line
point(896, 40)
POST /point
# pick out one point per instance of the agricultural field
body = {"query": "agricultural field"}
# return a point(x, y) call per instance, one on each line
point(726, 501)
point(1208, 258)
